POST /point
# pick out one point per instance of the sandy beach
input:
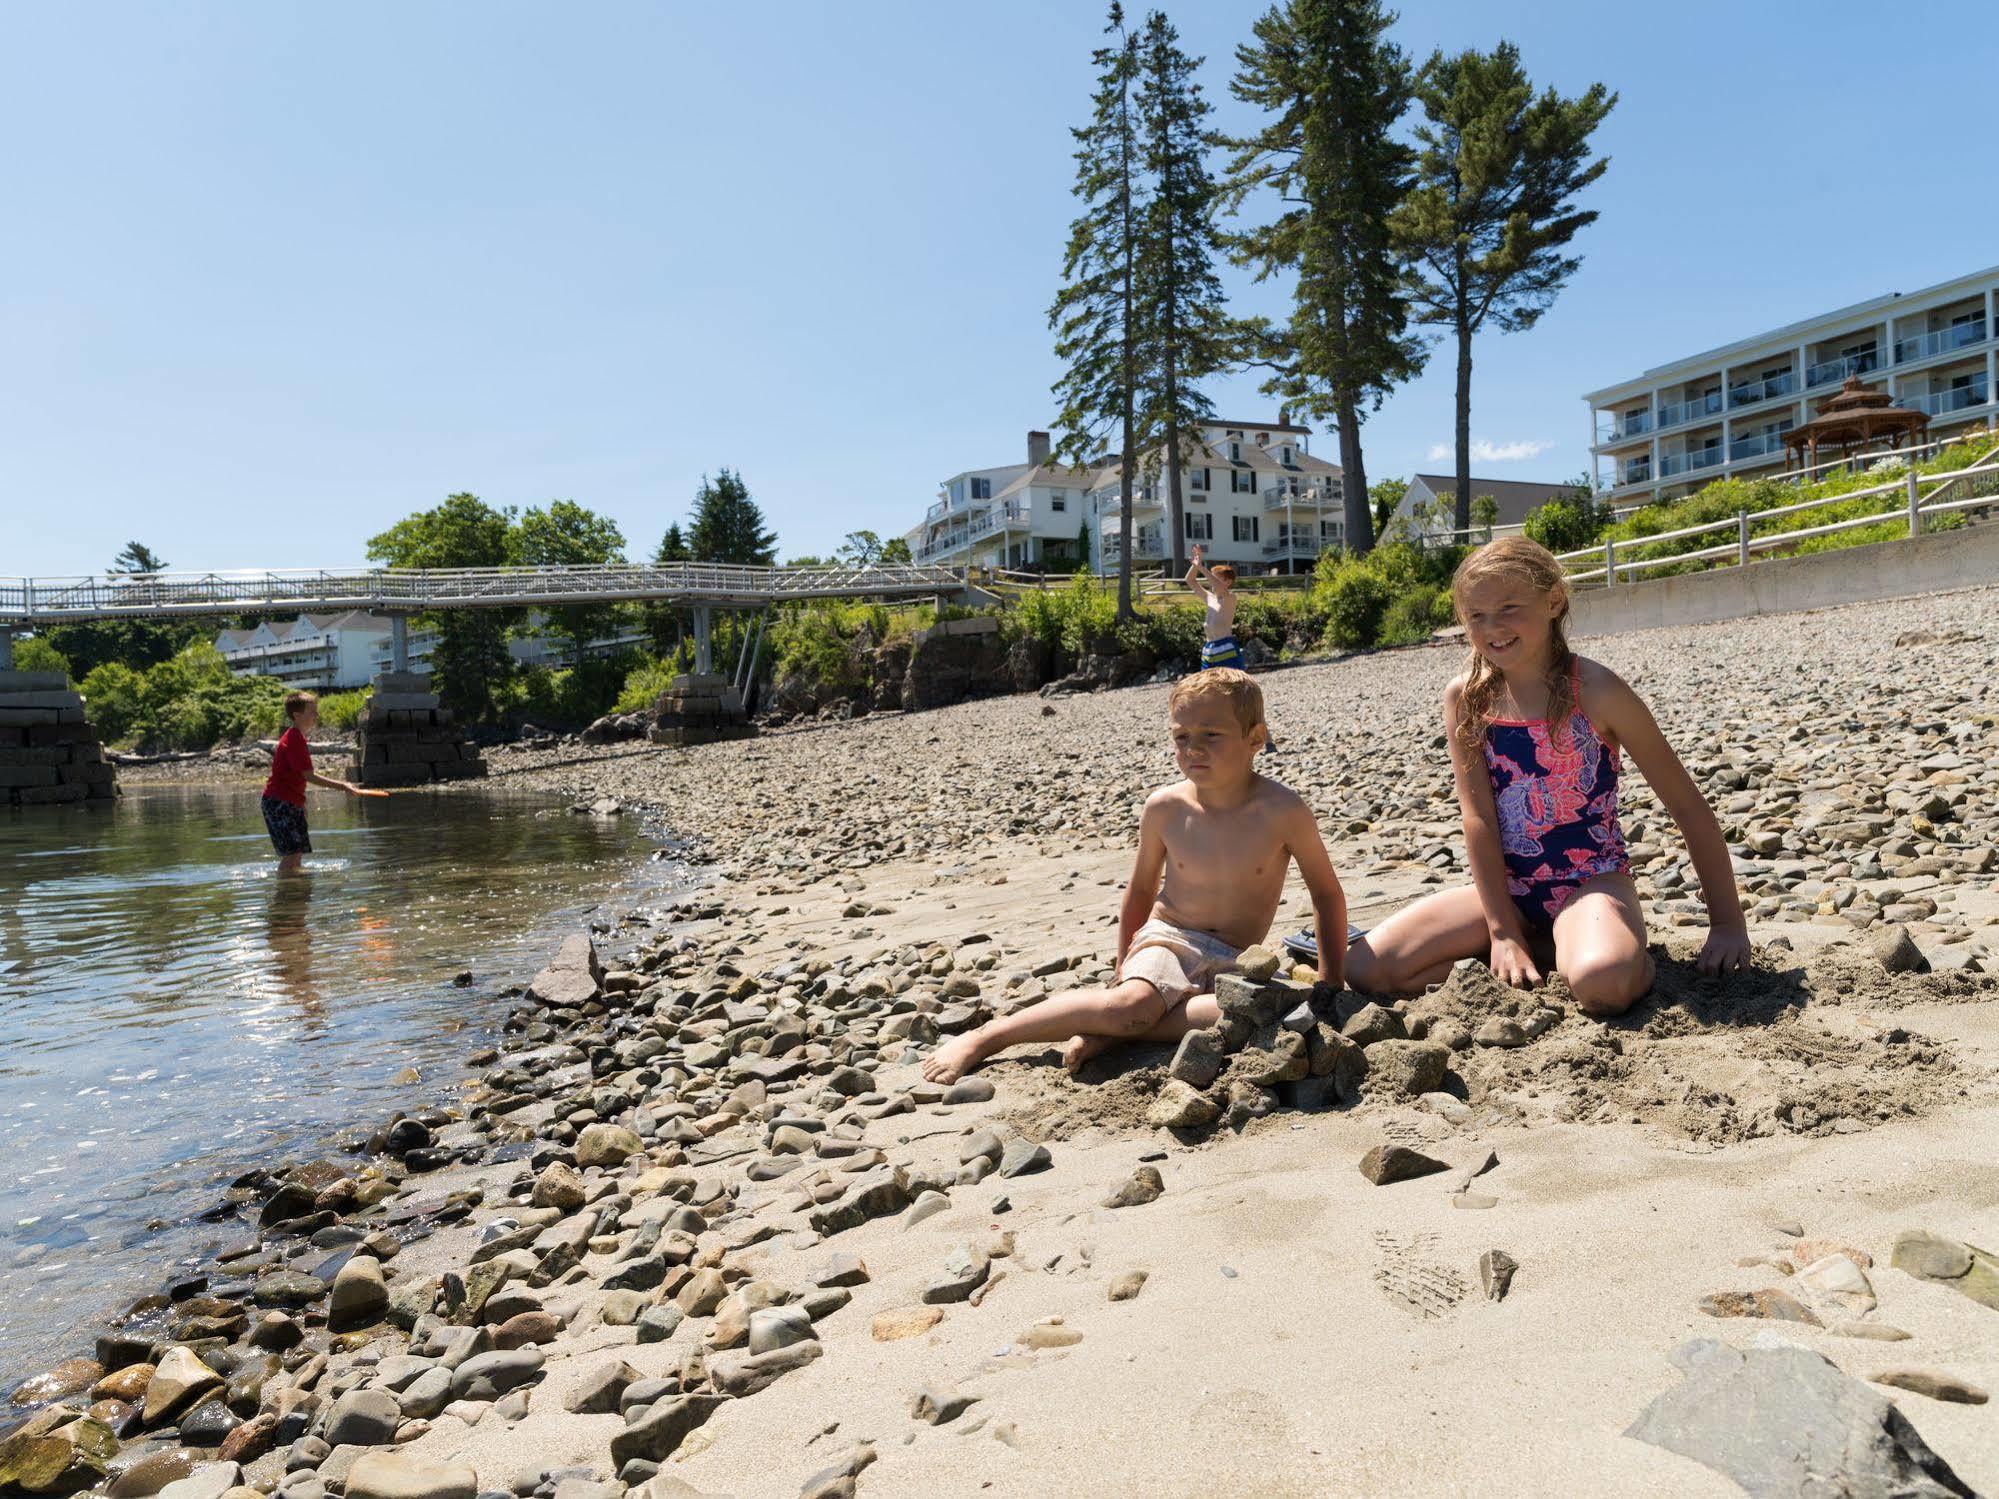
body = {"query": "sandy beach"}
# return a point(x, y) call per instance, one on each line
point(689, 1141)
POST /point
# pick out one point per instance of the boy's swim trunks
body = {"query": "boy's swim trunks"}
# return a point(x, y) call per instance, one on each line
point(1223, 652)
point(287, 827)
point(1177, 961)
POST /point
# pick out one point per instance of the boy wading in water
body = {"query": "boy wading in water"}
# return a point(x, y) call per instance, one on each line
point(1219, 647)
point(1212, 854)
point(1536, 735)
point(284, 792)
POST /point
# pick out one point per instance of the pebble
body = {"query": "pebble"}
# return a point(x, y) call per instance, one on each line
point(904, 1322)
point(1143, 1186)
point(1933, 1383)
point(1127, 1286)
point(1387, 1164)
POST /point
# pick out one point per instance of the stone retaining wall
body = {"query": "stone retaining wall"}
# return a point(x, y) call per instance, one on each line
point(48, 750)
point(404, 737)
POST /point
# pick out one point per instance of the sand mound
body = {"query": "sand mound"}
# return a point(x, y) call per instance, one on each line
point(1787, 1048)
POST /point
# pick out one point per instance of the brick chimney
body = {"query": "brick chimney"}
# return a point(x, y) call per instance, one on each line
point(1037, 447)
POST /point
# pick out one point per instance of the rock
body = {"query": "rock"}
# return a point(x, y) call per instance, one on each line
point(1049, 1335)
point(1836, 1281)
point(1199, 1059)
point(70, 1377)
point(969, 1090)
point(599, 1393)
point(841, 1270)
point(1781, 1306)
point(1965, 1268)
point(360, 1294)
point(1450, 1034)
point(656, 1435)
point(1024, 1157)
point(904, 1322)
point(964, 1272)
point(1495, 1272)
point(826, 1483)
point(658, 1323)
point(1257, 963)
point(488, 1376)
point(1880, 1332)
point(207, 1424)
point(52, 1453)
point(776, 1327)
point(209, 1481)
point(928, 1205)
point(1895, 950)
point(1475, 1201)
point(573, 978)
point(1783, 1423)
point(363, 1418)
point(1936, 1385)
point(1274, 1056)
point(981, 1144)
point(1127, 1286)
point(702, 1294)
point(1251, 1003)
point(397, 1475)
point(1406, 1069)
point(1386, 1164)
point(558, 1187)
point(152, 1473)
point(939, 1403)
point(525, 1328)
point(1179, 1106)
point(179, 1380)
point(1143, 1186)
point(606, 1145)
point(1500, 1030)
point(1373, 1023)
point(744, 1373)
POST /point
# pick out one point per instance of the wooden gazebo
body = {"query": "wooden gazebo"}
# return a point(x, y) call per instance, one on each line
point(1851, 421)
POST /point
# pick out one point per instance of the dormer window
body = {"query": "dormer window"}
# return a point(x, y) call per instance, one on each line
point(1235, 452)
point(1262, 439)
point(1287, 453)
point(982, 489)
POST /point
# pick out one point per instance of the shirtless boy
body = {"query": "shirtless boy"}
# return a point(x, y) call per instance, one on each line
point(1221, 840)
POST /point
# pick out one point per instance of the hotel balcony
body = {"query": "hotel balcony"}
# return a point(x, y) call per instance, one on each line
point(1762, 390)
point(1942, 341)
point(1698, 408)
point(1682, 463)
point(1625, 429)
point(1832, 371)
point(1302, 496)
point(1945, 403)
point(1761, 445)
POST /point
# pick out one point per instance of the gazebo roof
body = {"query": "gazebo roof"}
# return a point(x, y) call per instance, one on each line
point(1855, 415)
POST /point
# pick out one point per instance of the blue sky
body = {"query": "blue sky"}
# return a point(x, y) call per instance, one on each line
point(273, 276)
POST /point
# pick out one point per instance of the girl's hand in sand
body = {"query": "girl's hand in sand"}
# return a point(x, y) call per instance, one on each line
point(1725, 951)
point(1511, 964)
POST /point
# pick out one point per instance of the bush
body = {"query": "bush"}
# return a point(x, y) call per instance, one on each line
point(1411, 618)
point(189, 701)
point(1356, 601)
point(643, 685)
point(342, 710)
point(1568, 522)
point(36, 654)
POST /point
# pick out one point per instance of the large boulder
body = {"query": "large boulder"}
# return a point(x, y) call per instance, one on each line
point(958, 659)
point(573, 977)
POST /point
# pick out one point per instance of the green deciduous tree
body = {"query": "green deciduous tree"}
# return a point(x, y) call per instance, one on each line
point(1384, 495)
point(566, 534)
point(1096, 317)
point(1187, 332)
point(728, 526)
point(1487, 226)
point(1570, 520)
point(1334, 86)
point(470, 661)
point(1484, 515)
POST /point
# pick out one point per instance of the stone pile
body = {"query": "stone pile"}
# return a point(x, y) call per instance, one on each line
point(406, 738)
point(48, 750)
point(699, 708)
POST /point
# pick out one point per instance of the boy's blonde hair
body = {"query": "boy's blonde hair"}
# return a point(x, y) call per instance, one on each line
point(1514, 559)
point(297, 700)
point(1237, 688)
point(1225, 572)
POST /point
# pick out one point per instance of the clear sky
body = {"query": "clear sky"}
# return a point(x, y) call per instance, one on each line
point(274, 275)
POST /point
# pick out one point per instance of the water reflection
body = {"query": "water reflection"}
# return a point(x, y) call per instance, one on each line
point(171, 1010)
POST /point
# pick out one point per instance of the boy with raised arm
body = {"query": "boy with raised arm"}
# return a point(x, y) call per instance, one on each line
point(1213, 850)
point(1216, 585)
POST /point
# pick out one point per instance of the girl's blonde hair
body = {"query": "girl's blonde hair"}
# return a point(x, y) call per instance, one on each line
point(1515, 559)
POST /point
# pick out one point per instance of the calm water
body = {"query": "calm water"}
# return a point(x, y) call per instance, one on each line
point(171, 1011)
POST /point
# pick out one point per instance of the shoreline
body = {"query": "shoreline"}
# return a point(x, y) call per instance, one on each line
point(764, 1093)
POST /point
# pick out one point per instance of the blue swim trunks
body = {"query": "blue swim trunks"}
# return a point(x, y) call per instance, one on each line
point(286, 825)
point(1224, 652)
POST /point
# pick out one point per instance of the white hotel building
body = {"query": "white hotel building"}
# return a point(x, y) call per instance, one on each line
point(1250, 494)
point(1724, 412)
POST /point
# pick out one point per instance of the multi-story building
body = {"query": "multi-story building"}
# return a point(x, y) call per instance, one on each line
point(1679, 426)
point(1251, 494)
point(317, 652)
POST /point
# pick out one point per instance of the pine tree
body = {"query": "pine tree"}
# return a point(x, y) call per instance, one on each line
point(138, 558)
point(728, 526)
point(1188, 334)
point(1336, 87)
point(1493, 209)
point(1096, 315)
point(663, 622)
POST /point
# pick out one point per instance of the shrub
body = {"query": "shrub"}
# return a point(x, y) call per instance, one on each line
point(643, 685)
point(1356, 601)
point(342, 710)
point(189, 701)
point(36, 654)
point(1568, 522)
point(1411, 617)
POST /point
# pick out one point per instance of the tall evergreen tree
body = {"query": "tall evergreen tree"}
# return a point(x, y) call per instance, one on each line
point(1335, 86)
point(1096, 314)
point(138, 558)
point(1188, 334)
point(728, 526)
point(1493, 210)
point(663, 622)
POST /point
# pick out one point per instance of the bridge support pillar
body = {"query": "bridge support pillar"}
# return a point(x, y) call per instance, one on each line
point(6, 648)
point(399, 642)
point(405, 737)
point(704, 660)
point(48, 750)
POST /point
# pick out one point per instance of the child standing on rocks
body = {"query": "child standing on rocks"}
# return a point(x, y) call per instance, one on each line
point(284, 792)
point(1219, 646)
point(1213, 850)
point(1536, 732)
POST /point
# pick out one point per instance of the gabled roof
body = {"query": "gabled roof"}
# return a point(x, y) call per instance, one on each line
point(1516, 497)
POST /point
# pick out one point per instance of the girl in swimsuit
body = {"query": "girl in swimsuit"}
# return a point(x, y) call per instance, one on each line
point(1536, 735)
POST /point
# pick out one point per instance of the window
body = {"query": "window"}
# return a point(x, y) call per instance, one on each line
point(1199, 527)
point(982, 489)
point(1235, 452)
point(1197, 478)
point(1287, 453)
point(1245, 528)
point(1241, 481)
point(1058, 500)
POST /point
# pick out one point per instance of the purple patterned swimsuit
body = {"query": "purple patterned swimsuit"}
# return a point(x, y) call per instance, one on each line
point(1556, 794)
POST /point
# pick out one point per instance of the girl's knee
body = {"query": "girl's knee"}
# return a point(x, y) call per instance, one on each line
point(1606, 987)
point(1133, 1007)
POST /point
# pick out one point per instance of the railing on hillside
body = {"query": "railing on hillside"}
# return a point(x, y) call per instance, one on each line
point(1976, 486)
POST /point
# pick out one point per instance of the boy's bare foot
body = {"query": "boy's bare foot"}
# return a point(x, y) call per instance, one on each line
point(1079, 1049)
point(953, 1059)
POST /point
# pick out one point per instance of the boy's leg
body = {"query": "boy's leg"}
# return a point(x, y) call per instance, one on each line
point(1416, 947)
point(1194, 1013)
point(1600, 945)
point(289, 863)
point(1127, 1009)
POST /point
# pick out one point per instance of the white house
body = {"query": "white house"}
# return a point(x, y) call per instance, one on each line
point(317, 652)
point(1516, 498)
point(1723, 412)
point(1251, 494)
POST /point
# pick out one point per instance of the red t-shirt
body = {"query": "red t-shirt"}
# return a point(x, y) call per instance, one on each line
point(291, 763)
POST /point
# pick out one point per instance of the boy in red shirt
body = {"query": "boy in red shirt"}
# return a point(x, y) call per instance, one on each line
point(284, 792)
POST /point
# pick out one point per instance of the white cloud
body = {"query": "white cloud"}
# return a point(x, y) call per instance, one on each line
point(1484, 450)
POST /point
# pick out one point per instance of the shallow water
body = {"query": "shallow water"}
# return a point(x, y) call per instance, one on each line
point(172, 1011)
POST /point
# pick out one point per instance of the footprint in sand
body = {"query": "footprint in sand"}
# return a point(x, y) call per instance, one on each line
point(1412, 1279)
